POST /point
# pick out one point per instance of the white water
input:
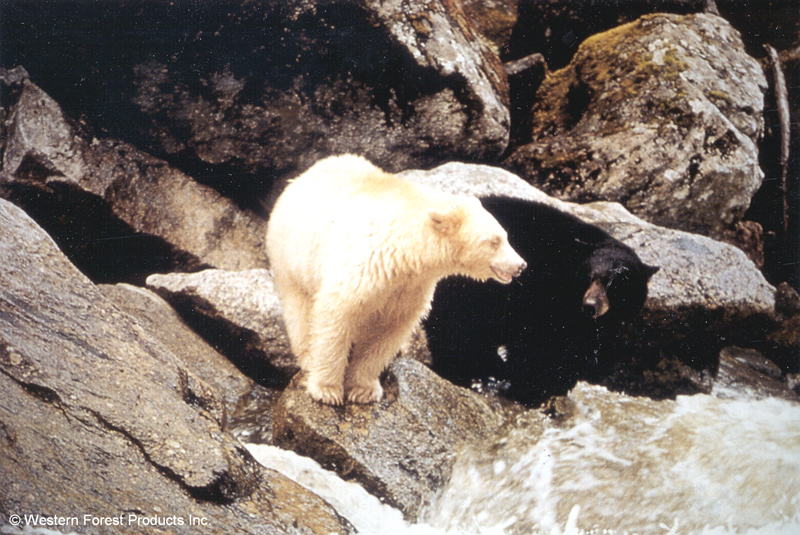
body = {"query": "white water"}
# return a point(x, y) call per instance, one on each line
point(620, 465)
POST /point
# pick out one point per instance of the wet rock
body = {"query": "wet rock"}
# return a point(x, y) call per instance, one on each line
point(251, 422)
point(236, 93)
point(747, 374)
point(401, 448)
point(117, 212)
point(661, 114)
point(201, 360)
point(706, 295)
point(239, 313)
point(97, 416)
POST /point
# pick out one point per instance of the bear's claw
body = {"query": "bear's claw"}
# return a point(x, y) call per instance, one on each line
point(365, 394)
point(326, 394)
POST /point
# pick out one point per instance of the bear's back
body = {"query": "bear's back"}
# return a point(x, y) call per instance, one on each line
point(353, 179)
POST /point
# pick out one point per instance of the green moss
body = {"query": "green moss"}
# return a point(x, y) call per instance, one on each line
point(673, 65)
point(598, 69)
point(719, 95)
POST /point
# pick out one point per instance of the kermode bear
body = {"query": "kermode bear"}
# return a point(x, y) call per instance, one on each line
point(356, 254)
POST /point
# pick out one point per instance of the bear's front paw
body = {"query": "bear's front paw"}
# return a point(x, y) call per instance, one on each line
point(330, 395)
point(365, 393)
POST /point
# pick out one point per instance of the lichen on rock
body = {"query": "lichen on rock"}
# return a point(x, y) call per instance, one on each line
point(661, 114)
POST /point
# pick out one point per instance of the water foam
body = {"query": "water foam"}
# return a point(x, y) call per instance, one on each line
point(633, 465)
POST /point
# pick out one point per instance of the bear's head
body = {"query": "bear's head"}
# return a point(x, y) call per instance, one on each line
point(617, 281)
point(477, 244)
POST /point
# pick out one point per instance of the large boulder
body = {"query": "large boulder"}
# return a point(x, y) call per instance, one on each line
point(400, 449)
point(239, 92)
point(161, 322)
point(237, 311)
point(118, 213)
point(98, 417)
point(661, 114)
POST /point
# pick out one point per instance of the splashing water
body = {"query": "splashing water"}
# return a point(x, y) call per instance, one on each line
point(633, 465)
point(618, 465)
point(366, 512)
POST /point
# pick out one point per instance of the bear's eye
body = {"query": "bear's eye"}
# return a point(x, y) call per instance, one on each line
point(495, 242)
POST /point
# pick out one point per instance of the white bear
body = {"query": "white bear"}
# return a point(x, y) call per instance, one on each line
point(356, 254)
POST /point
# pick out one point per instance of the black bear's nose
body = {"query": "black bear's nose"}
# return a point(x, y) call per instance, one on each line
point(595, 300)
point(591, 309)
point(522, 267)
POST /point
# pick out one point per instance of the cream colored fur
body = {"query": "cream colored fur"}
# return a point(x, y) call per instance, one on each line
point(356, 254)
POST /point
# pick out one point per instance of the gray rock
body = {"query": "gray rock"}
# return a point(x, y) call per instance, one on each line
point(201, 360)
point(99, 418)
point(402, 448)
point(77, 184)
point(245, 91)
point(243, 307)
point(747, 374)
point(662, 115)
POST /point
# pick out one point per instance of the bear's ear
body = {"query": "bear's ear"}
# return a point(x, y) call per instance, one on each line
point(651, 270)
point(446, 222)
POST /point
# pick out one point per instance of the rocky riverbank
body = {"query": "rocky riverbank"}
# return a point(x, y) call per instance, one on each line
point(141, 343)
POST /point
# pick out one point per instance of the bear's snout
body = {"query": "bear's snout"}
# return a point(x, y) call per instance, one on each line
point(506, 271)
point(595, 300)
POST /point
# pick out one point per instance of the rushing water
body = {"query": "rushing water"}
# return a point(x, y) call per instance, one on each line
point(619, 464)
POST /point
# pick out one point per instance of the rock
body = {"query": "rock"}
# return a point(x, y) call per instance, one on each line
point(749, 237)
point(661, 114)
point(706, 295)
point(400, 449)
point(555, 28)
point(238, 312)
point(99, 418)
point(239, 92)
point(117, 212)
point(784, 339)
point(494, 20)
point(161, 322)
point(747, 374)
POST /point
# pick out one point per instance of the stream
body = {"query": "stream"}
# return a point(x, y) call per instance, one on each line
point(615, 464)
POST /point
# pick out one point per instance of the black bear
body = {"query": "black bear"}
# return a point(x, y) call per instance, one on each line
point(550, 327)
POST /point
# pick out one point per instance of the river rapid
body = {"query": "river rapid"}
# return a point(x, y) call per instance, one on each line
point(614, 464)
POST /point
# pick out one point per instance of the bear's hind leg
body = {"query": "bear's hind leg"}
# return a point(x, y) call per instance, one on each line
point(296, 318)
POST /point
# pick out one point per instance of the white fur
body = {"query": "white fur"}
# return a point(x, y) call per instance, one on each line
point(356, 254)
